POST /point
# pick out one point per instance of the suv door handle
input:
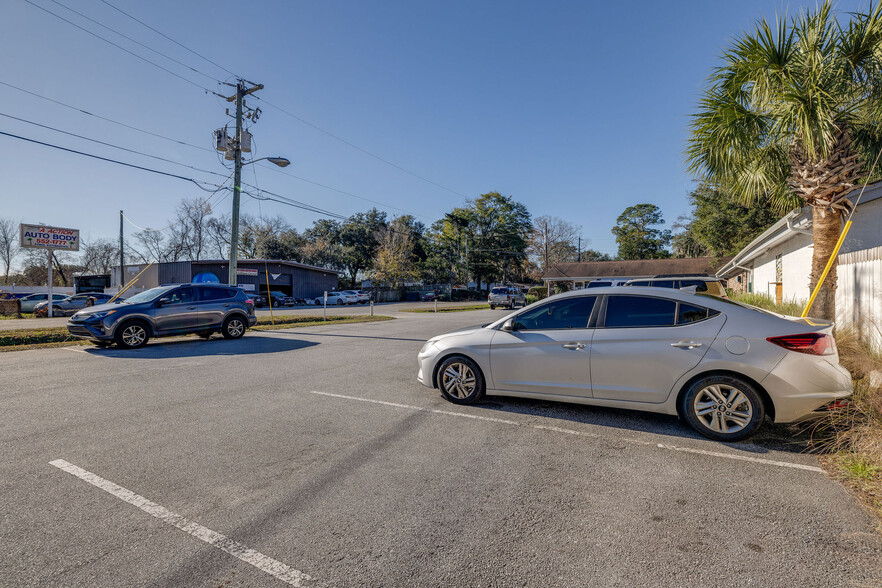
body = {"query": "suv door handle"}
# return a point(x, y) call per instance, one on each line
point(686, 344)
point(226, 305)
point(191, 308)
point(574, 346)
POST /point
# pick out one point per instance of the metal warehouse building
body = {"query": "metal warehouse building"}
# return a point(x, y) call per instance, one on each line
point(254, 275)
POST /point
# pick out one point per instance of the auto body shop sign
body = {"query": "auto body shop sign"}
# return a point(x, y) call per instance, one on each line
point(43, 237)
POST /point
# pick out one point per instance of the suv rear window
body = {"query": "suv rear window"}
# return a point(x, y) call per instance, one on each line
point(215, 293)
point(499, 291)
point(700, 285)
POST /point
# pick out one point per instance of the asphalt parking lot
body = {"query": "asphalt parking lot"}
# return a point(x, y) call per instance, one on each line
point(313, 457)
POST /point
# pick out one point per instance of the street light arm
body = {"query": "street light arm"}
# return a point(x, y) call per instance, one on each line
point(279, 161)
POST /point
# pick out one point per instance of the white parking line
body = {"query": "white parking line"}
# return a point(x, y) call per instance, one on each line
point(265, 564)
point(770, 462)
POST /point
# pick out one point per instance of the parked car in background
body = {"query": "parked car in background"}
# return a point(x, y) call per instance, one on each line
point(164, 311)
point(507, 297)
point(720, 365)
point(703, 284)
point(30, 301)
point(429, 296)
point(605, 283)
point(277, 299)
point(351, 296)
point(364, 297)
point(71, 304)
point(258, 300)
point(334, 298)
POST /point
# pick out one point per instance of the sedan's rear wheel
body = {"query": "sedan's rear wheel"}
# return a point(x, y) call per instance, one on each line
point(461, 380)
point(724, 408)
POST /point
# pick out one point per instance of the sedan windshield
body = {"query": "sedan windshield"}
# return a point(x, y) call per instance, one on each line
point(148, 295)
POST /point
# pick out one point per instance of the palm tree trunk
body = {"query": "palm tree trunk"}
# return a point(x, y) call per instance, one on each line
point(827, 225)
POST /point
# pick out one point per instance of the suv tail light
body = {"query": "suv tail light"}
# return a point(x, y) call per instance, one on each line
point(811, 343)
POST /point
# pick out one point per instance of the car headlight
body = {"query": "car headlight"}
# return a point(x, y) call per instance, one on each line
point(96, 315)
point(426, 346)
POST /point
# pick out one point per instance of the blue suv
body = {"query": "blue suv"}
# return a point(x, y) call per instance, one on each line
point(178, 309)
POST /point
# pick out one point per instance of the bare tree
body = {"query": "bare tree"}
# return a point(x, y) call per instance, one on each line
point(99, 256)
point(254, 232)
point(8, 245)
point(217, 236)
point(188, 231)
point(553, 240)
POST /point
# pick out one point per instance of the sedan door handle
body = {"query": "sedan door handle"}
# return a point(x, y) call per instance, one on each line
point(574, 346)
point(686, 344)
point(191, 308)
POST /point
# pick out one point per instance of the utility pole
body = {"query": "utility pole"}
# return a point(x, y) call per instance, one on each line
point(122, 257)
point(546, 247)
point(241, 92)
point(580, 248)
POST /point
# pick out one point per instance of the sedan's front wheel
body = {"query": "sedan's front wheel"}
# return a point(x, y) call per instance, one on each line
point(724, 408)
point(461, 380)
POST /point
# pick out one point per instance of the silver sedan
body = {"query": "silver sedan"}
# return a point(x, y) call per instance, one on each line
point(722, 366)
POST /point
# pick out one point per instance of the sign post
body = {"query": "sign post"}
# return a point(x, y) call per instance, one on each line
point(50, 239)
point(325, 307)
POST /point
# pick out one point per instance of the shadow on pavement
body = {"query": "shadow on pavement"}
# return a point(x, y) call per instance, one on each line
point(174, 348)
point(771, 437)
point(354, 336)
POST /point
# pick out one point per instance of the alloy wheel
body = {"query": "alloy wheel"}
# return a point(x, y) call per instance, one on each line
point(134, 335)
point(723, 408)
point(459, 380)
point(235, 328)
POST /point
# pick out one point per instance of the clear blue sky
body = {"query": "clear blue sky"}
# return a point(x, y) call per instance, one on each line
point(577, 109)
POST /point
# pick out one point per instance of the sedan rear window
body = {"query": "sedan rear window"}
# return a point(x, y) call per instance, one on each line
point(639, 311)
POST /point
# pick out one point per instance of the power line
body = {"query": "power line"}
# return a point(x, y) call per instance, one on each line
point(314, 183)
point(291, 202)
point(280, 109)
point(160, 33)
point(180, 142)
point(197, 183)
point(365, 151)
point(181, 63)
point(104, 118)
point(120, 47)
point(36, 124)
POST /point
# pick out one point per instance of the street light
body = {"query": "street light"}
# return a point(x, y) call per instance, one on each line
point(279, 161)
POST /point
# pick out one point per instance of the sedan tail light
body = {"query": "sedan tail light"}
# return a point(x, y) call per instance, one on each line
point(811, 343)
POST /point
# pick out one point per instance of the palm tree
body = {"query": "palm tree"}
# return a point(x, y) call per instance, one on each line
point(794, 115)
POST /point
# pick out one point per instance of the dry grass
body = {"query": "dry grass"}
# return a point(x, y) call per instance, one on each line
point(849, 439)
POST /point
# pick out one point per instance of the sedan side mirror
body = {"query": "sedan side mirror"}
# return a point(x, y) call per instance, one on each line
point(164, 301)
point(509, 325)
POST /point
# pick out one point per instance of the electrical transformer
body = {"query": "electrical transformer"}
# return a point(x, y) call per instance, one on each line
point(221, 141)
point(245, 143)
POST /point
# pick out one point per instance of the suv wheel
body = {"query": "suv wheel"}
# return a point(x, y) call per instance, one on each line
point(234, 327)
point(132, 335)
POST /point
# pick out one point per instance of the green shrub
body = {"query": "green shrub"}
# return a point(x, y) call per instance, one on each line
point(531, 299)
point(539, 292)
point(789, 307)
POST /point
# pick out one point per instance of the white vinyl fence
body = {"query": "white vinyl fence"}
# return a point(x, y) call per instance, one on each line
point(859, 294)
